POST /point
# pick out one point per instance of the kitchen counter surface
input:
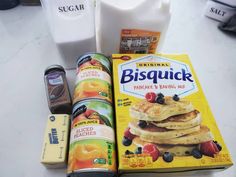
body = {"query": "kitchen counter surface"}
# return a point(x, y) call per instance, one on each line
point(27, 48)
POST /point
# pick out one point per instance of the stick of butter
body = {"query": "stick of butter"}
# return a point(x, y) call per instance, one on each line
point(55, 144)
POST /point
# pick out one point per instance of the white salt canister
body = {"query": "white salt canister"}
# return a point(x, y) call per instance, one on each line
point(72, 25)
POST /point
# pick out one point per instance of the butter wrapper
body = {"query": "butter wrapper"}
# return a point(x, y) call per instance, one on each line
point(55, 143)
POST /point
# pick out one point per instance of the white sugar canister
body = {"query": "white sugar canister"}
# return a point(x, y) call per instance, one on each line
point(72, 25)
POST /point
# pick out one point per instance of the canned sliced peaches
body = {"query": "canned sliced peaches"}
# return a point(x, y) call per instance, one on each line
point(92, 138)
point(93, 78)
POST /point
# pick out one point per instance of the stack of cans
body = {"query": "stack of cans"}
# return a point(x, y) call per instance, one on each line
point(92, 140)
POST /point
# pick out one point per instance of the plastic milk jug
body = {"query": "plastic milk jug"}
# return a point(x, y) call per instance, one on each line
point(131, 26)
point(72, 24)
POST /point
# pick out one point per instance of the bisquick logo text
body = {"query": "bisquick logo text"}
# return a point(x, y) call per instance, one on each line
point(129, 75)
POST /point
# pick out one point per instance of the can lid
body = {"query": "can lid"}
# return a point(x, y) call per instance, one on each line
point(79, 110)
point(54, 68)
point(82, 59)
point(88, 57)
point(80, 107)
point(92, 53)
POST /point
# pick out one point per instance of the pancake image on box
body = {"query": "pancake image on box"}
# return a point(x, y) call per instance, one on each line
point(172, 123)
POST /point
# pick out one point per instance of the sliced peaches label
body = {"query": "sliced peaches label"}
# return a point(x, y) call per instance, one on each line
point(93, 84)
point(93, 73)
point(92, 131)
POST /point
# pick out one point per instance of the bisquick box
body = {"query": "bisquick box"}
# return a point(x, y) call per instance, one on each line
point(164, 123)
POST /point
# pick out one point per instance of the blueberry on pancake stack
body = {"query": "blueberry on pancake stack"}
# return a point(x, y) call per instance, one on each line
point(171, 123)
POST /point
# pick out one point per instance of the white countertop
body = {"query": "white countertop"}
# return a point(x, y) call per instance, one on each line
point(26, 49)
